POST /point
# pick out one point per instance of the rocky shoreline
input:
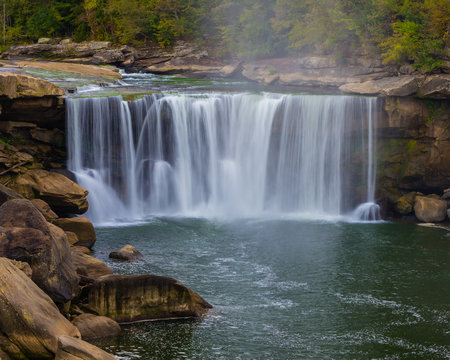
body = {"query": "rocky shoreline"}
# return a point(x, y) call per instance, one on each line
point(53, 292)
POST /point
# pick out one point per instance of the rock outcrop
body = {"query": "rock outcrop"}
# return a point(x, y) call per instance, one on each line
point(127, 253)
point(129, 298)
point(26, 236)
point(70, 348)
point(81, 227)
point(92, 326)
point(13, 86)
point(30, 324)
point(62, 194)
point(430, 210)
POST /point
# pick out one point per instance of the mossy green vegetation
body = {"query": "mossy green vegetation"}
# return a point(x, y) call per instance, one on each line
point(400, 30)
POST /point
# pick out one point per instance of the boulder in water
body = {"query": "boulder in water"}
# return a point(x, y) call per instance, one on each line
point(81, 226)
point(88, 267)
point(26, 236)
point(130, 298)
point(430, 210)
point(128, 252)
point(70, 348)
point(30, 323)
point(92, 326)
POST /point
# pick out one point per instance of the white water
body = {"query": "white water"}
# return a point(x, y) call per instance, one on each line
point(241, 155)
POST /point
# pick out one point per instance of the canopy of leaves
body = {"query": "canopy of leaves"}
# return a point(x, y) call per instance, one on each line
point(415, 31)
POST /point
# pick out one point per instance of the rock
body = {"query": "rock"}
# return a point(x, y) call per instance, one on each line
point(404, 85)
point(55, 137)
point(26, 236)
point(88, 267)
point(8, 194)
point(404, 205)
point(15, 86)
point(45, 209)
point(63, 195)
point(72, 238)
point(28, 317)
point(435, 87)
point(128, 252)
point(82, 227)
point(448, 213)
point(92, 326)
point(70, 348)
point(129, 298)
point(23, 266)
point(107, 72)
point(430, 210)
point(45, 41)
point(83, 249)
point(66, 41)
point(445, 195)
point(108, 57)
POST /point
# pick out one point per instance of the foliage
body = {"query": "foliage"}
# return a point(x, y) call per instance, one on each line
point(415, 31)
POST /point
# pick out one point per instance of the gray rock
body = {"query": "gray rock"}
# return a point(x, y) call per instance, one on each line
point(404, 85)
point(436, 87)
point(108, 57)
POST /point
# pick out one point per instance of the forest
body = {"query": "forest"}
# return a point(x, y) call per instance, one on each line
point(415, 31)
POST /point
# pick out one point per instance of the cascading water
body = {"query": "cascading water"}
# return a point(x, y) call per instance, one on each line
point(216, 155)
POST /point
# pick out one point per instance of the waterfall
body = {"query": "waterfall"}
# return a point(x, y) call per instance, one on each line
point(224, 155)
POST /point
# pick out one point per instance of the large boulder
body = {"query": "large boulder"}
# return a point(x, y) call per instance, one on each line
point(62, 194)
point(92, 326)
point(129, 298)
point(88, 267)
point(108, 57)
point(45, 209)
point(70, 348)
point(14, 86)
point(29, 321)
point(436, 87)
point(26, 236)
point(127, 253)
point(430, 209)
point(81, 226)
point(404, 204)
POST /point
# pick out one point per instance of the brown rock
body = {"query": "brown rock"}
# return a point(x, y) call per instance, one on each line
point(128, 252)
point(26, 236)
point(45, 209)
point(92, 326)
point(436, 87)
point(82, 227)
point(55, 137)
point(72, 238)
point(88, 267)
point(14, 86)
point(70, 348)
point(430, 210)
point(404, 205)
point(129, 298)
point(62, 194)
point(28, 317)
point(23, 266)
point(8, 194)
point(108, 57)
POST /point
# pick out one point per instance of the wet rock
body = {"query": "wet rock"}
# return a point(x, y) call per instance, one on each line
point(82, 227)
point(45, 209)
point(88, 267)
point(70, 348)
point(63, 195)
point(92, 326)
point(430, 210)
point(26, 236)
point(128, 252)
point(129, 298)
point(29, 320)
